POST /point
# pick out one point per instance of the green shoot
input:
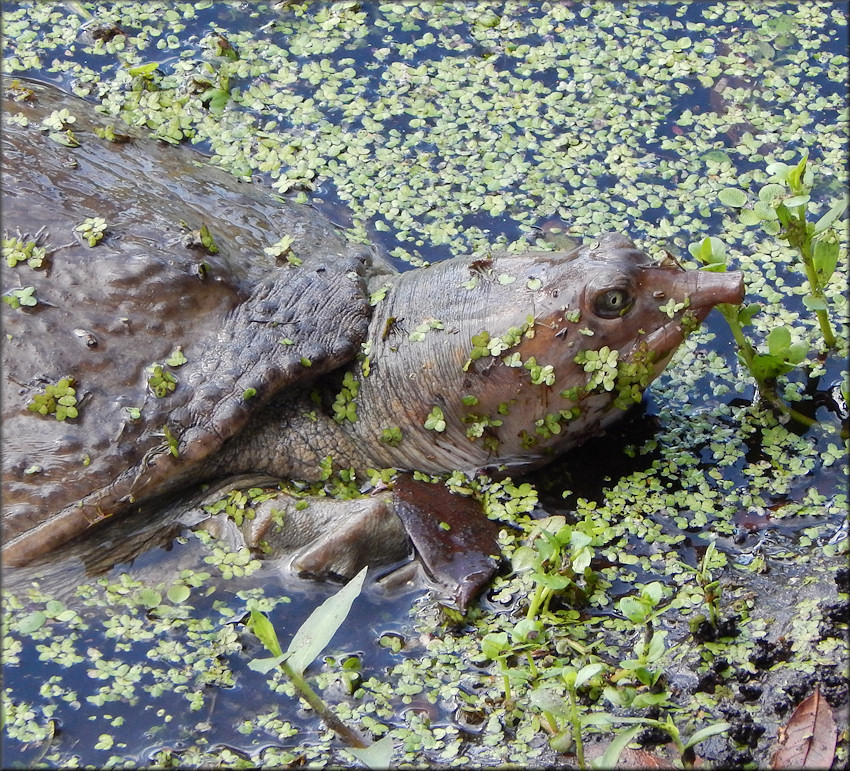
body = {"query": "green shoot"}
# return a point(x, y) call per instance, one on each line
point(781, 210)
point(307, 643)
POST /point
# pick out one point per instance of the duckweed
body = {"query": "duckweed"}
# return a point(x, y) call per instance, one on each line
point(466, 128)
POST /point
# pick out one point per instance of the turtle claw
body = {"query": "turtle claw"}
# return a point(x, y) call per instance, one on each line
point(457, 545)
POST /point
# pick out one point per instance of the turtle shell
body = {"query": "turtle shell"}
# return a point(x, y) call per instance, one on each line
point(116, 315)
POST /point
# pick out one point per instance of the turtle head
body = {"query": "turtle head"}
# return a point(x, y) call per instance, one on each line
point(610, 295)
point(575, 339)
point(514, 357)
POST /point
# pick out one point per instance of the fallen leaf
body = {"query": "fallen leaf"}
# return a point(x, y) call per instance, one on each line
point(808, 738)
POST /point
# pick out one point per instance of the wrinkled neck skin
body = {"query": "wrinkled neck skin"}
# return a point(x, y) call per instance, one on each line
point(471, 364)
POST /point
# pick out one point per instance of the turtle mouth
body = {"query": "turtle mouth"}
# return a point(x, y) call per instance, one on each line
point(703, 291)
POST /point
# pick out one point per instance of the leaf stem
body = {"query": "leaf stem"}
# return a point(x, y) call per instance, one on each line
point(576, 723)
point(351, 737)
point(814, 286)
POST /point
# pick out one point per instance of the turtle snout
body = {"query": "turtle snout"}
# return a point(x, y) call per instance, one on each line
point(713, 288)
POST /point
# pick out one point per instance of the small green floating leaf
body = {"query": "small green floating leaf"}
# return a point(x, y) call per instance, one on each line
point(813, 303)
point(178, 593)
point(283, 248)
point(149, 598)
point(748, 217)
point(17, 298)
point(31, 622)
point(58, 400)
point(144, 70)
point(207, 240)
point(733, 197)
point(435, 420)
point(104, 742)
point(92, 229)
point(15, 251)
point(160, 381)
point(177, 359)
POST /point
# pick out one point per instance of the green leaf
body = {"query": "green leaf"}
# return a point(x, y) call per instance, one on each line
point(745, 314)
point(578, 539)
point(435, 420)
point(796, 353)
point(525, 558)
point(149, 598)
point(797, 175)
point(716, 155)
point(262, 627)
point(563, 740)
point(376, 755)
point(316, 632)
point(778, 341)
point(264, 666)
point(554, 581)
point(612, 754)
point(144, 69)
point(218, 100)
point(656, 647)
point(765, 211)
point(824, 257)
point(547, 701)
point(632, 609)
point(178, 593)
point(813, 303)
point(831, 217)
point(732, 196)
point(772, 194)
point(653, 592)
point(31, 622)
point(766, 366)
point(494, 644)
point(710, 251)
point(705, 733)
point(797, 200)
point(778, 170)
point(748, 217)
point(177, 359)
point(587, 672)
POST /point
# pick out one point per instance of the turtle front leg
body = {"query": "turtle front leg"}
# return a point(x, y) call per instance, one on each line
point(455, 543)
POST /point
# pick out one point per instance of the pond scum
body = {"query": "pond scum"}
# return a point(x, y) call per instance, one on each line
point(655, 604)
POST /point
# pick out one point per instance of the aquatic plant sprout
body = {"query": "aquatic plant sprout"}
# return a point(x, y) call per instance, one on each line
point(782, 211)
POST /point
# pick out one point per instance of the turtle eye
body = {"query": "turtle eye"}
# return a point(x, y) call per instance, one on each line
point(612, 303)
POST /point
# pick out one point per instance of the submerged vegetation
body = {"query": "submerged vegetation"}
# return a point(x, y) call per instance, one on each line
point(688, 593)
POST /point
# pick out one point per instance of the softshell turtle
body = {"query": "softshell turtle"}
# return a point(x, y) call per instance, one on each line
point(287, 351)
